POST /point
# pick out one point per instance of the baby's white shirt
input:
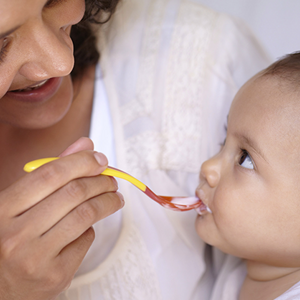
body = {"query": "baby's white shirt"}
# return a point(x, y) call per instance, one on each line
point(291, 294)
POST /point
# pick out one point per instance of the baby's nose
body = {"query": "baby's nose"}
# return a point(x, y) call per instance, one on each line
point(210, 171)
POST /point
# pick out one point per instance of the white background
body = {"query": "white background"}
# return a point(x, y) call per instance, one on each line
point(276, 23)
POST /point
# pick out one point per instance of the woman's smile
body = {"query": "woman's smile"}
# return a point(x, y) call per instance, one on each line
point(39, 92)
point(30, 87)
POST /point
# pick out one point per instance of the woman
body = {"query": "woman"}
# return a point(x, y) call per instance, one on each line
point(169, 70)
point(45, 223)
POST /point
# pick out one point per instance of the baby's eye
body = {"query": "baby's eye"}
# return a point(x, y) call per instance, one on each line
point(222, 144)
point(246, 160)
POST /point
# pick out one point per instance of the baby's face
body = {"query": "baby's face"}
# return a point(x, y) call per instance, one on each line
point(252, 186)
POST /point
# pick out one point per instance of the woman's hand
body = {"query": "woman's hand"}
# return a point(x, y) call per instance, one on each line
point(46, 219)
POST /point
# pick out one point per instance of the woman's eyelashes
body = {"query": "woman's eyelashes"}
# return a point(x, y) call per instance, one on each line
point(51, 3)
point(245, 160)
point(4, 49)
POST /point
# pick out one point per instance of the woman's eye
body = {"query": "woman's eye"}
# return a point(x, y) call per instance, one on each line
point(3, 49)
point(246, 160)
point(51, 3)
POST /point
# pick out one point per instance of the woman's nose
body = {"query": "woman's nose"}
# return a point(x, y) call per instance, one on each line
point(210, 171)
point(49, 53)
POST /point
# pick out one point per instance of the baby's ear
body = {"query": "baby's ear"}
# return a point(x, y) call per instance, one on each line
point(81, 144)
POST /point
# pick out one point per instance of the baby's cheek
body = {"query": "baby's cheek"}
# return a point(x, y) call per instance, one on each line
point(222, 203)
point(226, 211)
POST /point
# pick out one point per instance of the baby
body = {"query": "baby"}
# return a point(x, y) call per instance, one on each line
point(252, 186)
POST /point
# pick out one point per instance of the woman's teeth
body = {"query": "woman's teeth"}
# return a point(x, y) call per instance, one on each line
point(32, 87)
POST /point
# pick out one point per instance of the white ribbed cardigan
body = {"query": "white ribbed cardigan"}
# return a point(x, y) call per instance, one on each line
point(170, 69)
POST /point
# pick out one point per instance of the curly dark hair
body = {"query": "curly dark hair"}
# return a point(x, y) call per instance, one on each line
point(83, 36)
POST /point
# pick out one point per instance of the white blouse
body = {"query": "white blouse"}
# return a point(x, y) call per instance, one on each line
point(101, 133)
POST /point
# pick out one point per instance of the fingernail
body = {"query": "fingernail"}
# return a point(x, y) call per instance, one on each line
point(101, 158)
point(115, 182)
point(121, 198)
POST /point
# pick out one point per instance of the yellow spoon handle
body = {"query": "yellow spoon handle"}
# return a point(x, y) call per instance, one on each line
point(108, 171)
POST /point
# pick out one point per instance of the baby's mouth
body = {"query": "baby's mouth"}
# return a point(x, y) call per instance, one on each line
point(203, 208)
point(31, 87)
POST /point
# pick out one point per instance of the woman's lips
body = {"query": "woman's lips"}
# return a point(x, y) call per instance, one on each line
point(41, 92)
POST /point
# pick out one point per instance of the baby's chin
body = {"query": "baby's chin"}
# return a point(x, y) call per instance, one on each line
point(210, 234)
point(207, 230)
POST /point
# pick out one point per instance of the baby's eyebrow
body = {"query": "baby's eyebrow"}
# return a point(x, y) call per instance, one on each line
point(251, 143)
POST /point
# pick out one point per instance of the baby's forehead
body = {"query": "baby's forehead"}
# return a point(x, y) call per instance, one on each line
point(271, 93)
point(269, 109)
point(278, 95)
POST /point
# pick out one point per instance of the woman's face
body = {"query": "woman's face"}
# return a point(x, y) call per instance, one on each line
point(36, 58)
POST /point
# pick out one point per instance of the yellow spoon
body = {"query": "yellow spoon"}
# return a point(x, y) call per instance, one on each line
point(174, 203)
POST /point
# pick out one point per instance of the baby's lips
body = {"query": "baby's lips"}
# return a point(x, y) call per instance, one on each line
point(203, 208)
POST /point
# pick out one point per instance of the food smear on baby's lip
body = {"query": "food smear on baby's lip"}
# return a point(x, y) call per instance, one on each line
point(203, 209)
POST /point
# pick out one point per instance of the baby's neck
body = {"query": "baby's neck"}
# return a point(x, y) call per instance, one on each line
point(263, 272)
point(265, 282)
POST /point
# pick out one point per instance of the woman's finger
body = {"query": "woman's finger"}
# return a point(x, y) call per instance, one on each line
point(39, 184)
point(81, 218)
point(55, 207)
point(71, 256)
point(81, 144)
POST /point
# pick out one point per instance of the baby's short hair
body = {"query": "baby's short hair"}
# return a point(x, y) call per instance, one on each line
point(287, 69)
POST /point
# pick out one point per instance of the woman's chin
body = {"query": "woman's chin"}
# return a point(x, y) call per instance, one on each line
point(37, 114)
point(40, 121)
